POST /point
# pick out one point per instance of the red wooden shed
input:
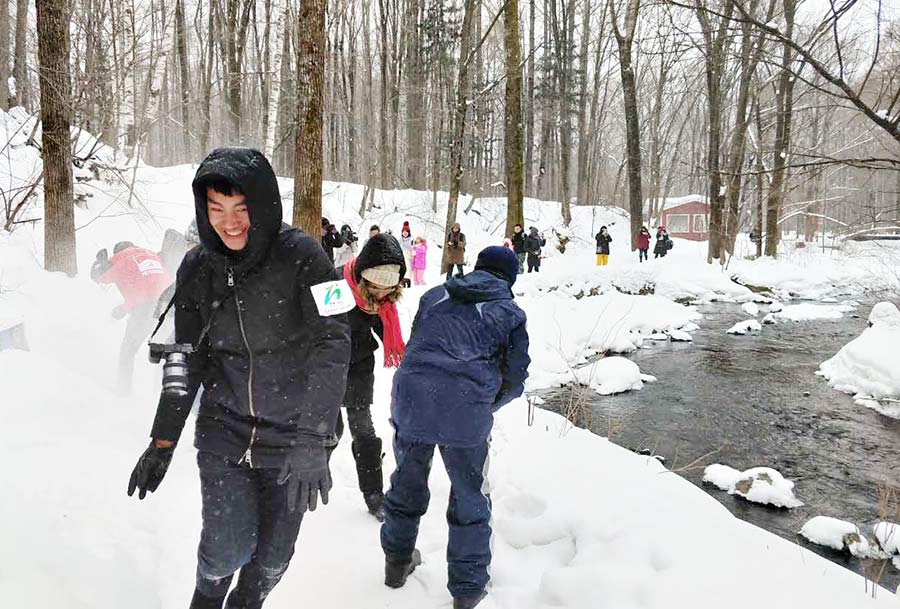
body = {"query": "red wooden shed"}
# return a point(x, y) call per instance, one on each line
point(685, 217)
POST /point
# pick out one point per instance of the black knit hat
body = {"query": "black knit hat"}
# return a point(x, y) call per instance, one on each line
point(380, 250)
point(498, 261)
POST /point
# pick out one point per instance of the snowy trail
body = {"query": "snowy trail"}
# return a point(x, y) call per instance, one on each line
point(578, 522)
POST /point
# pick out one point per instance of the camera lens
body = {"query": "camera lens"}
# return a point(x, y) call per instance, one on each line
point(175, 374)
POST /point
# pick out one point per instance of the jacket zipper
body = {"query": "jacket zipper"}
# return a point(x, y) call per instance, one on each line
point(248, 455)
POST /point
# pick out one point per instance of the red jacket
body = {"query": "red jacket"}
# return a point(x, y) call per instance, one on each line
point(643, 240)
point(138, 273)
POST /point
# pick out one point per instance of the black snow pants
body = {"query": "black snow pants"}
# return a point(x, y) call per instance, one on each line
point(366, 448)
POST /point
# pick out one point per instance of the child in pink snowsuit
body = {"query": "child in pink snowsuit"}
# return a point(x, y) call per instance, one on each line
point(418, 260)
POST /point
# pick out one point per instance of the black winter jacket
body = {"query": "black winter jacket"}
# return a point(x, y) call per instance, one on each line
point(518, 241)
point(273, 370)
point(603, 243)
point(533, 244)
point(330, 241)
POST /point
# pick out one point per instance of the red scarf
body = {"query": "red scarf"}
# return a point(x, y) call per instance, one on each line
point(394, 347)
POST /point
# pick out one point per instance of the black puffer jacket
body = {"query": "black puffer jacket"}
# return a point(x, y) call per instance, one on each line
point(272, 368)
point(383, 249)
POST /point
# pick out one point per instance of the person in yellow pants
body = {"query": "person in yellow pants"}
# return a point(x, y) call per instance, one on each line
point(603, 241)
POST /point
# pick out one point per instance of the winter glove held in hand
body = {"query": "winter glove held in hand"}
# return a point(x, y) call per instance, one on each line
point(150, 470)
point(306, 473)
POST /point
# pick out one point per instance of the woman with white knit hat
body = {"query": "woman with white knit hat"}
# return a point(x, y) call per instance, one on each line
point(375, 278)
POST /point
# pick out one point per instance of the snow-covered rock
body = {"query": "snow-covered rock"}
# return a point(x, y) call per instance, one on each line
point(836, 534)
point(770, 319)
point(759, 484)
point(808, 312)
point(680, 336)
point(612, 375)
point(775, 306)
point(745, 327)
point(868, 366)
point(887, 534)
point(750, 308)
point(885, 314)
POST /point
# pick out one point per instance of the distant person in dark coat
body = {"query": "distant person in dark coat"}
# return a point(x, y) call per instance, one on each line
point(643, 243)
point(331, 238)
point(467, 357)
point(663, 243)
point(518, 242)
point(375, 278)
point(603, 241)
point(533, 244)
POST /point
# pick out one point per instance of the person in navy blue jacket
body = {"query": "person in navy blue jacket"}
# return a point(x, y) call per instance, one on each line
point(467, 356)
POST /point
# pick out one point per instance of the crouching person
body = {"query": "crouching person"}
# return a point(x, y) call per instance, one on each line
point(467, 356)
point(273, 368)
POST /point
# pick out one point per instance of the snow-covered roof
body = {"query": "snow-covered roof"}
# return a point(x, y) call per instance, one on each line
point(671, 202)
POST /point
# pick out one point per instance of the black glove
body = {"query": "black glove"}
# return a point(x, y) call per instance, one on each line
point(306, 473)
point(150, 470)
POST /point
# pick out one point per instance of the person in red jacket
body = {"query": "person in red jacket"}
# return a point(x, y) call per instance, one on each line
point(643, 243)
point(140, 276)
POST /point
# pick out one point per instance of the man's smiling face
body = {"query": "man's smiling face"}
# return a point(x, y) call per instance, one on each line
point(229, 217)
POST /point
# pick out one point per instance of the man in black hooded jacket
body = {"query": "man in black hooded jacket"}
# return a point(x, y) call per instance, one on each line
point(272, 368)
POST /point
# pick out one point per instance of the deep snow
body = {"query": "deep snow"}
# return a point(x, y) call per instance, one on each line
point(578, 521)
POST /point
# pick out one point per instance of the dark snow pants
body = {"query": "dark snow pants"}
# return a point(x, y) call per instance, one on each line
point(534, 263)
point(642, 255)
point(468, 514)
point(246, 526)
point(459, 269)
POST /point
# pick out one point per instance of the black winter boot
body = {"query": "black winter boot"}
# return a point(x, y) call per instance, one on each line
point(367, 454)
point(375, 503)
point(468, 602)
point(199, 601)
point(395, 573)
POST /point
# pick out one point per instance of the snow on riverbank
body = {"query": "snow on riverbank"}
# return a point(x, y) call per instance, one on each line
point(759, 484)
point(868, 366)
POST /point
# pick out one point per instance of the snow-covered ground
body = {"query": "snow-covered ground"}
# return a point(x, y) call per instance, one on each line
point(578, 521)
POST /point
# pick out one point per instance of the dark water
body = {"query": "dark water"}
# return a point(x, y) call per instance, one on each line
point(756, 401)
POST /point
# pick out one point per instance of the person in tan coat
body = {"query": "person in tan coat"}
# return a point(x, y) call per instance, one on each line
point(456, 250)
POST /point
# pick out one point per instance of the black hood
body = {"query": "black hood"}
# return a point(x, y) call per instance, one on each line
point(248, 169)
point(381, 249)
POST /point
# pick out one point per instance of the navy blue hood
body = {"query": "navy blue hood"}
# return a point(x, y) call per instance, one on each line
point(478, 286)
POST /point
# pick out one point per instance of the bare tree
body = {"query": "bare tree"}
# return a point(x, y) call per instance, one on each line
point(53, 73)
point(308, 149)
point(515, 171)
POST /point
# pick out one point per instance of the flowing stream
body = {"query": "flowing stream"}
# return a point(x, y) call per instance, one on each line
point(755, 400)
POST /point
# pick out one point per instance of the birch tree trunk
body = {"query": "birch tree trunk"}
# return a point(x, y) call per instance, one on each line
point(53, 73)
point(20, 55)
point(4, 54)
point(279, 7)
point(184, 71)
point(308, 151)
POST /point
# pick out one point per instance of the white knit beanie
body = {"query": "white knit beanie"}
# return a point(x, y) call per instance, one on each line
point(385, 275)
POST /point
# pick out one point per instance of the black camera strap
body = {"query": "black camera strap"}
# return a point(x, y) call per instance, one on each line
point(215, 307)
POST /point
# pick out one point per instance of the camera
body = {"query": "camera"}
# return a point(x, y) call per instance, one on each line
point(175, 368)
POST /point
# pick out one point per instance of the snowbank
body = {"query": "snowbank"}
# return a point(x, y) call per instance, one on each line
point(888, 536)
point(868, 366)
point(612, 375)
point(759, 484)
point(808, 312)
point(836, 534)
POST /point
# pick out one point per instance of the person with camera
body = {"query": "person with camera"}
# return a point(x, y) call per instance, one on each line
point(330, 238)
point(467, 357)
point(375, 279)
point(347, 251)
point(140, 276)
point(456, 250)
point(254, 326)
